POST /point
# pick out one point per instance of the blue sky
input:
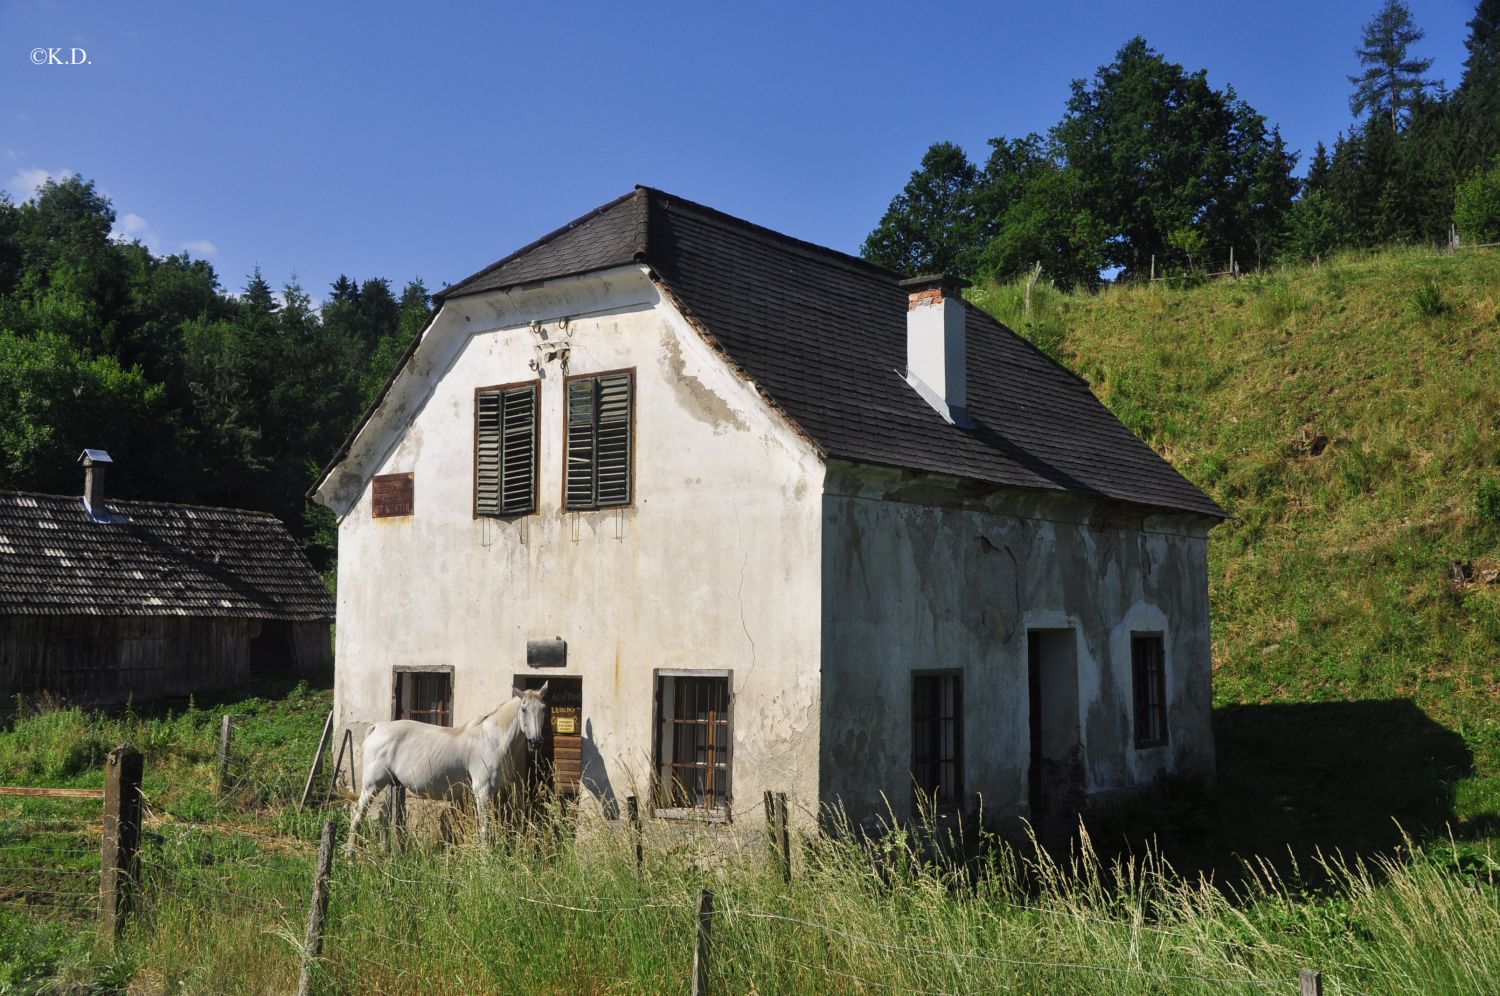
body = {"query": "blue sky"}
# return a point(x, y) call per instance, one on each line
point(426, 140)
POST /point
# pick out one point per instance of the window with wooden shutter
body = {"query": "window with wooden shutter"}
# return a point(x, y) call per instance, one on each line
point(505, 449)
point(424, 694)
point(598, 440)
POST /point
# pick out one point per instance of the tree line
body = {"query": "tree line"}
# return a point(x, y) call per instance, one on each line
point(1152, 170)
point(200, 396)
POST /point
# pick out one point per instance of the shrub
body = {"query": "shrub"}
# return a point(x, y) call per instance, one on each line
point(1476, 207)
point(1428, 301)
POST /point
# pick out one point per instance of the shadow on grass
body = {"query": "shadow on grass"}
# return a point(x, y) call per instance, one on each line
point(1297, 779)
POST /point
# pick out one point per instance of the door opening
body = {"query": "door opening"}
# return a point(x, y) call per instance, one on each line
point(558, 764)
point(1055, 777)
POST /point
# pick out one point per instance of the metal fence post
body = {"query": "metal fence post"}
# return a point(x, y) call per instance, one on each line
point(122, 835)
point(701, 948)
point(312, 943)
point(635, 829)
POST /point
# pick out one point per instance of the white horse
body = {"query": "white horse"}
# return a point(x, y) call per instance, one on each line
point(487, 755)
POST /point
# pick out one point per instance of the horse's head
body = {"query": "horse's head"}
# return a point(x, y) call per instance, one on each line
point(533, 713)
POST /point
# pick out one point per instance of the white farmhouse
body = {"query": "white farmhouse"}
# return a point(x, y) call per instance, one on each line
point(768, 517)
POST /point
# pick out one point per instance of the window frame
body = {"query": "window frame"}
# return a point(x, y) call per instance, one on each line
point(1138, 677)
point(397, 671)
point(630, 459)
point(536, 450)
point(724, 814)
point(957, 675)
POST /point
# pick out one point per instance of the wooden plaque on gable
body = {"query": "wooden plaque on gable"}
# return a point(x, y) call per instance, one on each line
point(391, 495)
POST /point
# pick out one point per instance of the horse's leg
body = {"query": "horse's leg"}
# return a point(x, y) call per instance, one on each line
point(366, 796)
point(373, 782)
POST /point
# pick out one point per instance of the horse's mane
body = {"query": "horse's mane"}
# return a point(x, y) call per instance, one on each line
point(477, 720)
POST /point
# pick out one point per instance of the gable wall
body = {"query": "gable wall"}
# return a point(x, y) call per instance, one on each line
point(919, 575)
point(715, 565)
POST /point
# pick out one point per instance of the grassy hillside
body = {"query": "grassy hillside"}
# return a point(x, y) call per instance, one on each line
point(1347, 416)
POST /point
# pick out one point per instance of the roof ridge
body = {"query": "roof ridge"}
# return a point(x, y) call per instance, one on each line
point(581, 219)
point(4, 492)
point(810, 248)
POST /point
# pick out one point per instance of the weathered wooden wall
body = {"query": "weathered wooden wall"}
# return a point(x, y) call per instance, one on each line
point(101, 660)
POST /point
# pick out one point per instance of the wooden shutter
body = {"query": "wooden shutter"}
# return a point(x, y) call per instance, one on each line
point(613, 441)
point(580, 442)
point(518, 451)
point(487, 421)
point(505, 426)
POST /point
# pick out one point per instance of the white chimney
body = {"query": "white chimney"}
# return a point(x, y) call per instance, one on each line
point(936, 354)
point(94, 464)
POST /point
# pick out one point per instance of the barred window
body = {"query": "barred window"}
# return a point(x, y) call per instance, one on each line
point(1148, 665)
point(692, 743)
point(423, 694)
point(597, 441)
point(937, 738)
point(505, 449)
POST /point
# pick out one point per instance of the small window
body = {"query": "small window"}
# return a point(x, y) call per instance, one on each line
point(1148, 664)
point(937, 738)
point(692, 743)
point(505, 449)
point(424, 695)
point(597, 441)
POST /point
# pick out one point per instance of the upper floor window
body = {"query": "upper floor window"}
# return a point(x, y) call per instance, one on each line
point(597, 440)
point(1148, 664)
point(505, 449)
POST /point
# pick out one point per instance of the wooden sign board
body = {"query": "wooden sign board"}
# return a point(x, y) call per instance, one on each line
point(392, 495)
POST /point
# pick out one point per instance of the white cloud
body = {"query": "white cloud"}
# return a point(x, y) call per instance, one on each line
point(23, 184)
point(12, 154)
point(200, 247)
point(133, 228)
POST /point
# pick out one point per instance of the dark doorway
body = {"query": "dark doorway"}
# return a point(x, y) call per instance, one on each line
point(558, 765)
point(271, 650)
point(1055, 775)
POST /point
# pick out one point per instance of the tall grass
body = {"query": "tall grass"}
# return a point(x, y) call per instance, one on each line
point(569, 912)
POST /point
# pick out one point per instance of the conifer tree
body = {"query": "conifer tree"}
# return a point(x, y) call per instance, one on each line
point(1392, 80)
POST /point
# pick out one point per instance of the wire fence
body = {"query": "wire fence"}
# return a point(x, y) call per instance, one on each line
point(451, 918)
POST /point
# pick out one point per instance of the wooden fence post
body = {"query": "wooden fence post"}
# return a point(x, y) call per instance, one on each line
point(317, 765)
point(122, 835)
point(1312, 983)
point(701, 949)
point(781, 839)
point(635, 829)
point(224, 734)
point(312, 943)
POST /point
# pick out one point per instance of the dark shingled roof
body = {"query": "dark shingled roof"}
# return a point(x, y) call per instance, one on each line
point(824, 334)
point(151, 559)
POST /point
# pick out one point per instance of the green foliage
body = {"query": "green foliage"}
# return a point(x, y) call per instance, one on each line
point(1478, 95)
point(1487, 501)
point(932, 226)
point(1476, 209)
point(201, 397)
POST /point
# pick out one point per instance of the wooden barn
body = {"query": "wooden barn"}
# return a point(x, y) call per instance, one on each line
point(103, 600)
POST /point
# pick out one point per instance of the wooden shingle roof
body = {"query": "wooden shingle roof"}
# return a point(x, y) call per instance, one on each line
point(823, 334)
point(145, 558)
